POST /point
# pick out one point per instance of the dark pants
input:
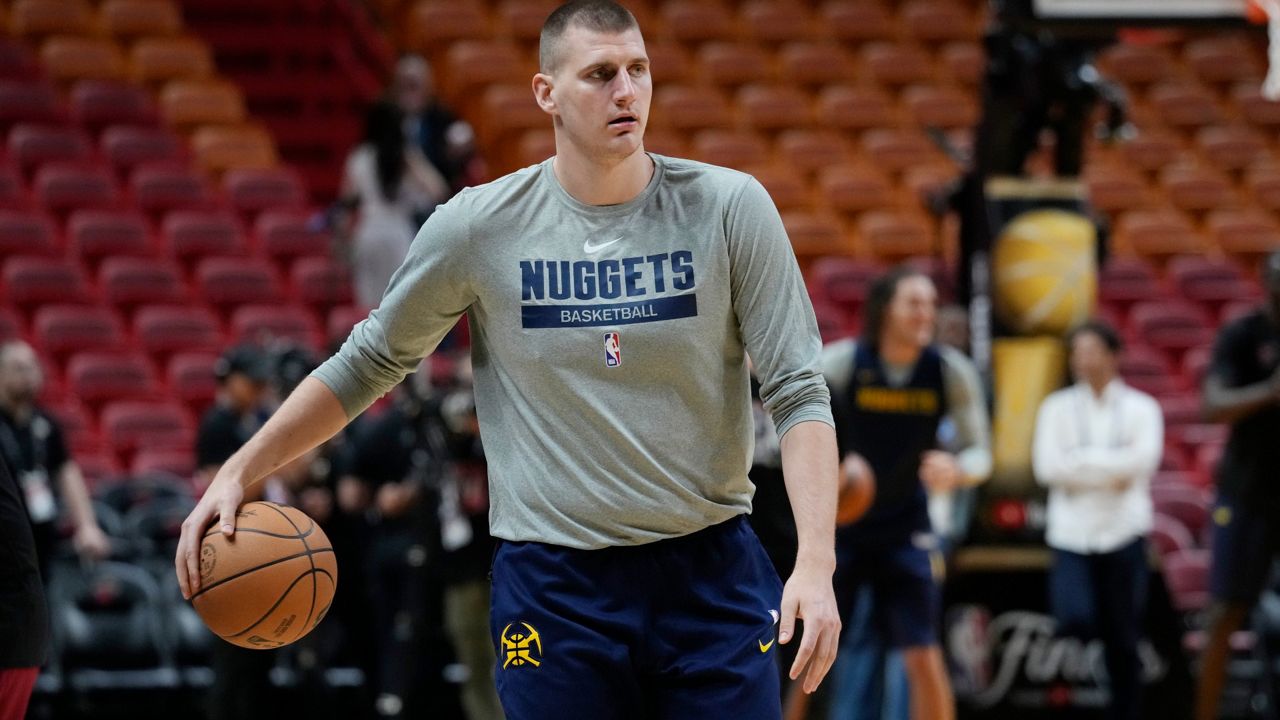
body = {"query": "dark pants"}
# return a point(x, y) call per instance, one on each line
point(1103, 596)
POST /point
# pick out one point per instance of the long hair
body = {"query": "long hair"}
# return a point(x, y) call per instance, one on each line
point(879, 296)
point(384, 131)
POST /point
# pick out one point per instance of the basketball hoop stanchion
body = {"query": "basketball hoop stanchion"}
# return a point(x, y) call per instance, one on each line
point(1268, 11)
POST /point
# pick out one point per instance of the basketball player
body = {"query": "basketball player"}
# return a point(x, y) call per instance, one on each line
point(627, 583)
point(889, 391)
point(1242, 388)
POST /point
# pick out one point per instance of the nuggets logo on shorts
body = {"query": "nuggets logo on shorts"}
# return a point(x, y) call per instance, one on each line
point(522, 647)
point(612, 349)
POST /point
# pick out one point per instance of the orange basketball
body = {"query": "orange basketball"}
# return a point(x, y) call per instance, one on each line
point(271, 582)
point(857, 489)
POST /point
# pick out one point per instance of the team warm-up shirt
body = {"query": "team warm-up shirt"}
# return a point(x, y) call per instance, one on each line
point(609, 346)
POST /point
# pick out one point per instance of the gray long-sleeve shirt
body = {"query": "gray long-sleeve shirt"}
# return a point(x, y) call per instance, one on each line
point(609, 347)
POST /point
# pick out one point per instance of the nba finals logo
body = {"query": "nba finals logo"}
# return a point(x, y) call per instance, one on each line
point(612, 349)
point(522, 647)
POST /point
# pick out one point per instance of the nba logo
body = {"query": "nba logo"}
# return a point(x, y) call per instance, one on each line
point(612, 349)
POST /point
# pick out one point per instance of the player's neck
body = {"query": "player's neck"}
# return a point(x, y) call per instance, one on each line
point(592, 183)
point(899, 353)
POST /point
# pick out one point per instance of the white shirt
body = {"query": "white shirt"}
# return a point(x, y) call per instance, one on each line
point(1084, 447)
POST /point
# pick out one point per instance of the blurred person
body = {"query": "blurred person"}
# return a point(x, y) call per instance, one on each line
point(32, 444)
point(602, 463)
point(392, 188)
point(24, 616)
point(446, 140)
point(890, 390)
point(242, 688)
point(1242, 389)
point(1097, 443)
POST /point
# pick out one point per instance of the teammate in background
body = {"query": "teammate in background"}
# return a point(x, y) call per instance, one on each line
point(1097, 444)
point(627, 582)
point(1242, 388)
point(24, 624)
point(890, 389)
point(32, 444)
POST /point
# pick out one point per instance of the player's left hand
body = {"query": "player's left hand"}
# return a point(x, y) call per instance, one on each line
point(939, 471)
point(809, 597)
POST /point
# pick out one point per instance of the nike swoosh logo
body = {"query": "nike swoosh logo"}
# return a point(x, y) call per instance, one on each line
point(764, 647)
point(588, 248)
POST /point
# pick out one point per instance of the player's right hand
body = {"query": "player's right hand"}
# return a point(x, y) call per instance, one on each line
point(222, 499)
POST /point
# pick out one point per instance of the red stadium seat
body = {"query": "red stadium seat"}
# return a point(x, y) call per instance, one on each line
point(11, 327)
point(1136, 64)
point(97, 378)
point(68, 59)
point(16, 61)
point(33, 280)
point(1231, 148)
point(475, 64)
point(64, 186)
point(833, 322)
point(31, 144)
point(251, 191)
point(774, 21)
point(191, 235)
point(808, 150)
point(856, 188)
point(1150, 371)
point(98, 465)
point(814, 63)
point(1169, 535)
point(160, 187)
point(685, 107)
point(1247, 235)
point(188, 103)
point(95, 234)
point(1159, 234)
point(128, 282)
point(33, 19)
point(856, 107)
point(76, 423)
point(896, 150)
point(126, 147)
point(263, 324)
point(1152, 148)
point(288, 234)
point(669, 63)
point(730, 63)
point(1123, 281)
point(1171, 325)
point(1115, 187)
point(697, 21)
point(63, 329)
point(13, 192)
point(1210, 281)
point(129, 19)
point(857, 20)
point(433, 23)
point(897, 63)
point(842, 281)
point(964, 61)
point(523, 19)
point(164, 329)
point(237, 281)
point(938, 21)
point(1196, 188)
point(191, 379)
point(1185, 106)
point(160, 59)
point(33, 100)
point(943, 107)
point(815, 234)
point(1190, 506)
point(130, 425)
point(1222, 60)
point(320, 282)
point(729, 148)
point(98, 103)
point(28, 233)
point(893, 235)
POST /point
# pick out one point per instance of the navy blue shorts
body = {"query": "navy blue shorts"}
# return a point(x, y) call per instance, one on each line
point(903, 577)
point(681, 628)
point(1244, 544)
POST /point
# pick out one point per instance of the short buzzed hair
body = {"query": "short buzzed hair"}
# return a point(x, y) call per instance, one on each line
point(603, 16)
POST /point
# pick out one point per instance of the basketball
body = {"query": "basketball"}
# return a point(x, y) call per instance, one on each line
point(857, 490)
point(271, 582)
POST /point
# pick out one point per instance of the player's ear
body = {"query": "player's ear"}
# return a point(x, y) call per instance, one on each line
point(542, 86)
